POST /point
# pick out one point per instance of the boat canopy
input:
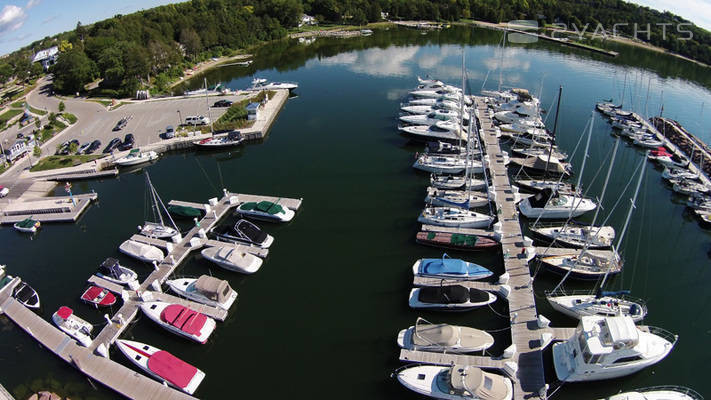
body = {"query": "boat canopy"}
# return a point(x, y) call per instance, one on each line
point(250, 230)
point(110, 267)
point(64, 312)
point(183, 318)
point(214, 289)
point(171, 368)
point(24, 293)
point(452, 294)
point(480, 384)
point(263, 206)
point(444, 266)
point(441, 334)
point(540, 199)
point(26, 223)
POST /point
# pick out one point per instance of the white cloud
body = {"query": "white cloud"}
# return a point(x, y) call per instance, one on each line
point(32, 3)
point(696, 11)
point(376, 62)
point(11, 18)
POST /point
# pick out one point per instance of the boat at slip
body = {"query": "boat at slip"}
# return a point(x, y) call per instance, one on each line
point(584, 265)
point(601, 304)
point(27, 225)
point(658, 393)
point(185, 211)
point(446, 164)
point(158, 228)
point(453, 216)
point(548, 204)
point(425, 106)
point(456, 182)
point(263, 84)
point(458, 198)
point(437, 131)
point(578, 235)
point(136, 156)
point(98, 297)
point(205, 290)
point(538, 185)
point(141, 251)
point(449, 268)
point(543, 164)
point(26, 295)
point(266, 211)
point(180, 320)
point(162, 365)
point(449, 298)
point(245, 232)
point(609, 347)
point(232, 139)
point(72, 325)
point(455, 382)
point(443, 338)
point(430, 118)
point(114, 272)
point(457, 241)
point(230, 258)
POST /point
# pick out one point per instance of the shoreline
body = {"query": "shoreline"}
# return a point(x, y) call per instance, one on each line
point(206, 66)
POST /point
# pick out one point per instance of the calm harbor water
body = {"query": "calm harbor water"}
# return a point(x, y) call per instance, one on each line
point(321, 317)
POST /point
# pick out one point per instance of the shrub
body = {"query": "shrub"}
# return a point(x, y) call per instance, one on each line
point(62, 107)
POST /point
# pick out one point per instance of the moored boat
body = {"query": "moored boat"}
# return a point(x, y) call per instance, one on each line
point(454, 216)
point(443, 338)
point(136, 156)
point(206, 290)
point(232, 139)
point(98, 297)
point(26, 295)
point(449, 298)
point(243, 231)
point(114, 272)
point(27, 225)
point(230, 258)
point(449, 268)
point(455, 382)
point(602, 303)
point(265, 210)
point(185, 211)
point(457, 241)
point(141, 251)
point(72, 325)
point(658, 393)
point(180, 320)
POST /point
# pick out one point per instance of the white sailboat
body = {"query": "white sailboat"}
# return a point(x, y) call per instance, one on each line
point(158, 227)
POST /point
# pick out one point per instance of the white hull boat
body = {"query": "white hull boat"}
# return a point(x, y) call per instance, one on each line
point(454, 217)
point(459, 198)
point(73, 326)
point(578, 235)
point(141, 251)
point(157, 230)
point(228, 257)
point(443, 338)
point(265, 211)
point(562, 206)
point(180, 320)
point(449, 298)
point(162, 365)
point(430, 133)
point(678, 173)
point(456, 182)
point(457, 382)
point(205, 290)
point(658, 393)
point(136, 157)
point(114, 272)
point(578, 306)
point(446, 165)
point(232, 139)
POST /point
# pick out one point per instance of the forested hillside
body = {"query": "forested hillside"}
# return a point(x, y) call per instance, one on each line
point(154, 46)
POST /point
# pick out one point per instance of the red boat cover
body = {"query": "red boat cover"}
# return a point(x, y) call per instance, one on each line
point(65, 312)
point(183, 318)
point(171, 368)
point(94, 292)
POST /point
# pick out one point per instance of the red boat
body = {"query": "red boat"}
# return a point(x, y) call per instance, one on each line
point(456, 241)
point(98, 296)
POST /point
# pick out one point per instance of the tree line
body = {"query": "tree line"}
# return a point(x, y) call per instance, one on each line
point(153, 47)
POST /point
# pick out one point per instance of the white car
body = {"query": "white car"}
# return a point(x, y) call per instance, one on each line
point(4, 191)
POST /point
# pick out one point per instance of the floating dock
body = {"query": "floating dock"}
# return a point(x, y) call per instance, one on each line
point(47, 209)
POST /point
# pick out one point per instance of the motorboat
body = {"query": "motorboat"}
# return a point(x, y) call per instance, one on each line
point(701, 203)
point(232, 139)
point(648, 141)
point(114, 272)
point(157, 230)
point(658, 393)
point(538, 185)
point(180, 320)
point(205, 290)
point(449, 268)
point(26, 295)
point(689, 187)
point(266, 211)
point(584, 265)
point(454, 216)
point(459, 198)
point(141, 251)
point(436, 84)
point(514, 117)
point(430, 118)
point(433, 132)
point(678, 173)
point(424, 106)
point(456, 182)
point(443, 338)
point(455, 382)
point(543, 164)
point(457, 241)
point(72, 325)
point(230, 258)
point(549, 204)
point(162, 365)
point(245, 232)
point(578, 235)
point(98, 297)
point(441, 93)
point(185, 211)
point(136, 156)
point(449, 298)
point(602, 303)
point(609, 347)
point(263, 84)
point(27, 225)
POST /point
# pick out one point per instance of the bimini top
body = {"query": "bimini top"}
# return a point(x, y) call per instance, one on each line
point(480, 384)
point(441, 334)
point(263, 206)
point(606, 334)
point(214, 289)
point(540, 199)
point(110, 267)
point(64, 312)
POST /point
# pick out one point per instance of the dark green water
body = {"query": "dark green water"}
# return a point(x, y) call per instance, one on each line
point(324, 310)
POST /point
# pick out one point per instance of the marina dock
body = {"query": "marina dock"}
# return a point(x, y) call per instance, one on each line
point(47, 209)
point(93, 360)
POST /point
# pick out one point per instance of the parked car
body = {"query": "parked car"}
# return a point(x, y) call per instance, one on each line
point(121, 124)
point(222, 103)
point(4, 191)
point(20, 136)
point(113, 144)
point(93, 146)
point(62, 147)
point(83, 147)
point(197, 120)
point(128, 142)
point(66, 147)
point(169, 132)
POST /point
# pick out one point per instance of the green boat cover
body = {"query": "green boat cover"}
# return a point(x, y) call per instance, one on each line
point(26, 223)
point(185, 211)
point(463, 240)
point(263, 206)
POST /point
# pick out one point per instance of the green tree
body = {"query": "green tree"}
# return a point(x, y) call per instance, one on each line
point(65, 46)
point(37, 152)
point(5, 72)
point(190, 41)
point(72, 71)
point(62, 107)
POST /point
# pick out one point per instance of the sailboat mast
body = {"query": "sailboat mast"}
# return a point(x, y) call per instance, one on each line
point(587, 147)
point(555, 128)
point(607, 179)
point(634, 200)
point(207, 104)
point(156, 210)
point(461, 108)
point(501, 64)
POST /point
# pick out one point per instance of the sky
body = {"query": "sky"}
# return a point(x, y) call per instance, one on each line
point(24, 21)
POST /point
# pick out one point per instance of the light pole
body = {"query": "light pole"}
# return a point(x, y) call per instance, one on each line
point(180, 119)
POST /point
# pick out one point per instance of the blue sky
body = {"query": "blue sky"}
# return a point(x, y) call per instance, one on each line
point(24, 21)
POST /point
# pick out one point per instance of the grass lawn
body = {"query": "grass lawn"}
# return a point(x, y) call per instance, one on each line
point(54, 162)
point(18, 104)
point(70, 117)
point(37, 111)
point(46, 134)
point(105, 103)
point(6, 116)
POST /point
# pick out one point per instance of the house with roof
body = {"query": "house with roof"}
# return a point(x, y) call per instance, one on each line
point(47, 57)
point(307, 20)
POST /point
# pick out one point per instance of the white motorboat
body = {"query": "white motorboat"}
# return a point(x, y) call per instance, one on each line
point(232, 139)
point(432, 132)
point(26, 295)
point(539, 151)
point(658, 393)
point(265, 211)
point(515, 117)
point(609, 347)
point(263, 84)
point(433, 84)
point(114, 272)
point(601, 304)
point(576, 235)
point(141, 251)
point(449, 298)
point(456, 182)
point(157, 230)
point(230, 258)
point(689, 188)
point(162, 365)
point(463, 382)
point(678, 173)
point(423, 106)
point(449, 268)
point(72, 325)
point(455, 217)
point(459, 198)
point(206, 290)
point(446, 164)
point(180, 320)
point(548, 204)
point(136, 156)
point(430, 118)
point(443, 338)
point(441, 93)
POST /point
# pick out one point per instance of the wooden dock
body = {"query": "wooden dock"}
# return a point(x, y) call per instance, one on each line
point(422, 281)
point(529, 380)
point(47, 209)
point(427, 357)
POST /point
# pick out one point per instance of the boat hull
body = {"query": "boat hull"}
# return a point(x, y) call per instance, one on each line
point(179, 286)
point(153, 310)
point(415, 303)
point(444, 240)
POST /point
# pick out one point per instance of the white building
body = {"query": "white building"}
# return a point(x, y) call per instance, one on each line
point(47, 57)
point(16, 151)
point(307, 20)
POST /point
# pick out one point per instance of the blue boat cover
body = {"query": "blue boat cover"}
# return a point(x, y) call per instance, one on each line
point(451, 266)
